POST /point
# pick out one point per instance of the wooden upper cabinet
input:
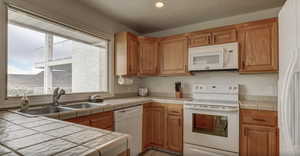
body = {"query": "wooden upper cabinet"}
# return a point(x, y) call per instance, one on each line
point(148, 56)
point(259, 46)
point(173, 52)
point(199, 39)
point(127, 48)
point(224, 36)
point(213, 36)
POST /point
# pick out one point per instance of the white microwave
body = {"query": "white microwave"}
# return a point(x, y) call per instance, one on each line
point(216, 57)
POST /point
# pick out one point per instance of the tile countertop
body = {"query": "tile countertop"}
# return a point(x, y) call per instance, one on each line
point(258, 105)
point(38, 136)
point(119, 103)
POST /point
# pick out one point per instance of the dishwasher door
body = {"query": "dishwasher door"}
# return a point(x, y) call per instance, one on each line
point(129, 121)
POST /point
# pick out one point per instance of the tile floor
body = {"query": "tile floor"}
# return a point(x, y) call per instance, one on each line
point(156, 153)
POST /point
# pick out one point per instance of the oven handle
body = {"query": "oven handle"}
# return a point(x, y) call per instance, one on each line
point(210, 109)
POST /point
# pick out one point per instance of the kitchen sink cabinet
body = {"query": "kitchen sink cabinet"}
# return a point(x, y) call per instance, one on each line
point(163, 127)
point(148, 56)
point(173, 53)
point(258, 46)
point(259, 136)
point(126, 51)
point(103, 120)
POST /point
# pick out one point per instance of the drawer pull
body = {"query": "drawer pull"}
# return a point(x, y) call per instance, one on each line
point(262, 120)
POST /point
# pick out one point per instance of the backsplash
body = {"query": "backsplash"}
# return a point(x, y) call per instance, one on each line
point(250, 84)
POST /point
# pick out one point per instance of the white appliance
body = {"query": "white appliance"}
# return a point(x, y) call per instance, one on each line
point(216, 57)
point(129, 121)
point(211, 121)
point(289, 78)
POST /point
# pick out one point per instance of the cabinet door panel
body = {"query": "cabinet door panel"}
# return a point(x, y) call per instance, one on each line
point(224, 36)
point(147, 127)
point(259, 47)
point(158, 126)
point(173, 54)
point(132, 56)
point(199, 39)
point(258, 140)
point(174, 133)
point(148, 56)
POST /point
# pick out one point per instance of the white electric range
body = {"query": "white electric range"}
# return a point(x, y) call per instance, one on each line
point(211, 121)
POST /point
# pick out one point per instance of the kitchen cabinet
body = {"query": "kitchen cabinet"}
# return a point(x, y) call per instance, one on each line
point(199, 39)
point(148, 56)
point(173, 53)
point(258, 46)
point(126, 51)
point(153, 125)
point(163, 127)
point(213, 36)
point(103, 120)
point(259, 133)
point(224, 36)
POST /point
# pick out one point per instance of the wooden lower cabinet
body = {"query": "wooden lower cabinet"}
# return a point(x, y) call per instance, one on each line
point(257, 139)
point(162, 126)
point(174, 133)
point(103, 120)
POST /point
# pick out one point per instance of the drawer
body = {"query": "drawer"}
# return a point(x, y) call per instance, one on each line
point(256, 117)
point(175, 109)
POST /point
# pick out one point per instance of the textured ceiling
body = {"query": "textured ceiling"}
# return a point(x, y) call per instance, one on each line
point(144, 17)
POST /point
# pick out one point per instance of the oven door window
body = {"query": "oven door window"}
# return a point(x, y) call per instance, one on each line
point(210, 124)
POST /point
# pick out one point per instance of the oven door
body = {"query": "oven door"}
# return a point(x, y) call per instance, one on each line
point(206, 59)
point(213, 129)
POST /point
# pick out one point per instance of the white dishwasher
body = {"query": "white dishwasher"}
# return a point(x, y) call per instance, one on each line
point(129, 121)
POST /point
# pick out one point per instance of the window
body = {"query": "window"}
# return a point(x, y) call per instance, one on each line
point(43, 55)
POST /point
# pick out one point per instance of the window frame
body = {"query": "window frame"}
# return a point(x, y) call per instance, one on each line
point(46, 98)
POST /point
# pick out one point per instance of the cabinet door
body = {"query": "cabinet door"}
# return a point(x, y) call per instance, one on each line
point(224, 36)
point(258, 140)
point(174, 56)
point(147, 127)
point(148, 56)
point(259, 46)
point(199, 39)
point(174, 133)
point(102, 120)
point(132, 55)
point(158, 114)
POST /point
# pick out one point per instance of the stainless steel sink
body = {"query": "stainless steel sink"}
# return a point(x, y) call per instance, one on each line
point(45, 110)
point(81, 105)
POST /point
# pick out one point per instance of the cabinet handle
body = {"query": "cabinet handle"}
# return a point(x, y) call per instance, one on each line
point(208, 39)
point(245, 132)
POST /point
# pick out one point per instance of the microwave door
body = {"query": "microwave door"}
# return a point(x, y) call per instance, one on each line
point(209, 60)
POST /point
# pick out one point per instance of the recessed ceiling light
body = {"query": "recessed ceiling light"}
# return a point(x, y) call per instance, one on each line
point(159, 4)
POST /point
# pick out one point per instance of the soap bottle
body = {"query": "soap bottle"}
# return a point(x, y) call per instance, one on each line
point(24, 105)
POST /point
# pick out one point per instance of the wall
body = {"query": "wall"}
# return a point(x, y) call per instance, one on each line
point(268, 13)
point(250, 84)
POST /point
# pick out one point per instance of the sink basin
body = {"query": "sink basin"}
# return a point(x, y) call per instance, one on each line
point(46, 110)
point(81, 105)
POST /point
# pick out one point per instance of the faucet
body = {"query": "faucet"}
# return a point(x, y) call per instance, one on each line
point(57, 93)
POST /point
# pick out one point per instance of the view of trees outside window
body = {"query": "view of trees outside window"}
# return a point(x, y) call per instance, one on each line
point(40, 61)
